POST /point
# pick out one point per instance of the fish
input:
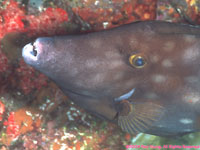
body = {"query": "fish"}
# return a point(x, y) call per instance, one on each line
point(143, 76)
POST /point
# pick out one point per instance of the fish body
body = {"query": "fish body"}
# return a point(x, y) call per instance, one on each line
point(143, 76)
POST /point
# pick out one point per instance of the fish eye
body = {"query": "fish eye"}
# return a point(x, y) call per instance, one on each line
point(137, 61)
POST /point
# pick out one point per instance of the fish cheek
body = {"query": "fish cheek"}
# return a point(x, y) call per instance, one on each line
point(165, 83)
point(101, 107)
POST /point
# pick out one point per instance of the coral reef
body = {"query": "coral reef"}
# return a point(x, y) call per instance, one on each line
point(29, 78)
point(127, 11)
point(187, 11)
point(14, 19)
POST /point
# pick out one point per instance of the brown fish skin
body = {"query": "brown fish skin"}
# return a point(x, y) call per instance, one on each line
point(94, 70)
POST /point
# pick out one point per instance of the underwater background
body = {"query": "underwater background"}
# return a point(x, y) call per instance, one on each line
point(34, 113)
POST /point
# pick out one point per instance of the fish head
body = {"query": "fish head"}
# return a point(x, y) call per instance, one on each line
point(83, 68)
point(92, 67)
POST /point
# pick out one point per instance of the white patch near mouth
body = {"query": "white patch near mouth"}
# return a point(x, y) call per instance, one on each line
point(27, 52)
point(125, 96)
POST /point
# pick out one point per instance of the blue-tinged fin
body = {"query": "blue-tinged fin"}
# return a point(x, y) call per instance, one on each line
point(138, 117)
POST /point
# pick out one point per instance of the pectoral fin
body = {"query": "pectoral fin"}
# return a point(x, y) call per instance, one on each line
point(138, 117)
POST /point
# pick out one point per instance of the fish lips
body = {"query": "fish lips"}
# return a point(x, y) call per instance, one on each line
point(30, 53)
point(39, 53)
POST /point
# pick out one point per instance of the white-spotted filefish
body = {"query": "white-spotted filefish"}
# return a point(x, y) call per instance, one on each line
point(144, 76)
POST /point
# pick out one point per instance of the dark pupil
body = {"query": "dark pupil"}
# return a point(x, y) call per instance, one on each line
point(139, 61)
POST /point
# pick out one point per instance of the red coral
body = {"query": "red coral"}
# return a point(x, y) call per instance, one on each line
point(29, 78)
point(47, 22)
point(146, 9)
point(12, 129)
point(129, 12)
point(187, 11)
point(2, 110)
point(12, 19)
point(20, 122)
point(193, 10)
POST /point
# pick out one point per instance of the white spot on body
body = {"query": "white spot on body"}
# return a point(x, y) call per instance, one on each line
point(158, 78)
point(155, 59)
point(167, 63)
point(191, 54)
point(98, 78)
point(186, 121)
point(169, 46)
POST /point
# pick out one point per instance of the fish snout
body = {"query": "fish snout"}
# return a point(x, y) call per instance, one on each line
point(29, 53)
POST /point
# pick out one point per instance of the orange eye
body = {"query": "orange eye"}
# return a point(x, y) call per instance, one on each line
point(137, 61)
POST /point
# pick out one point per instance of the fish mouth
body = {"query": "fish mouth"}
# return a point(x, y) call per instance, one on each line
point(125, 96)
point(30, 52)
